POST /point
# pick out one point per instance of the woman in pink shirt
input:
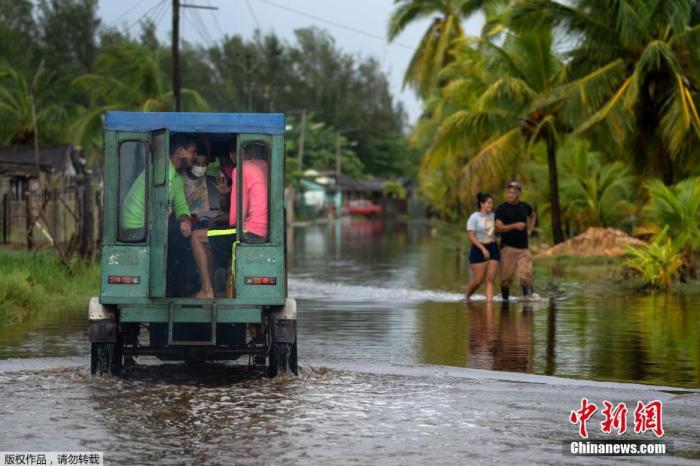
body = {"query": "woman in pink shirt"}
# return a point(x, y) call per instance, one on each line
point(254, 201)
point(255, 216)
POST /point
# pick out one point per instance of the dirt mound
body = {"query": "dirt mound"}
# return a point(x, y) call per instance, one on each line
point(594, 242)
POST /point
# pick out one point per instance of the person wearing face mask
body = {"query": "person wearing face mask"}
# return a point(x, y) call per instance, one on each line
point(182, 152)
point(202, 193)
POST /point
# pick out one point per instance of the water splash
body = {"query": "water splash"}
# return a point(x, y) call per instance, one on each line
point(335, 291)
point(306, 288)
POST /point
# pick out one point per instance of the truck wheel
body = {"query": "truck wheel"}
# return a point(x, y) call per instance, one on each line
point(282, 358)
point(106, 358)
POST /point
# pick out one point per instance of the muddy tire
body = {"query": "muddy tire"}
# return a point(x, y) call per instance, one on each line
point(106, 358)
point(282, 358)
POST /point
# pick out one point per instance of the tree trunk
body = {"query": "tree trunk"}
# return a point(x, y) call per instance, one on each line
point(29, 218)
point(557, 233)
point(666, 166)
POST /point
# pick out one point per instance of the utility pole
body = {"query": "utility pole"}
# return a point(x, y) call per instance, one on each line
point(337, 156)
point(302, 130)
point(176, 54)
point(176, 47)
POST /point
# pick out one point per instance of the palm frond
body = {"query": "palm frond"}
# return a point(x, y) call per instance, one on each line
point(497, 158)
point(617, 123)
point(585, 96)
point(680, 118)
point(531, 15)
point(406, 13)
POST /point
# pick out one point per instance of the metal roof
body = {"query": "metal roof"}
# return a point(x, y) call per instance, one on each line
point(52, 158)
point(256, 123)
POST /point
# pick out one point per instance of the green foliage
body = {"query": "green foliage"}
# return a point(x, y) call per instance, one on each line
point(25, 102)
point(341, 90)
point(593, 193)
point(17, 34)
point(18, 293)
point(126, 76)
point(490, 114)
point(38, 281)
point(630, 71)
point(320, 147)
point(394, 190)
point(660, 262)
point(677, 207)
point(93, 69)
point(436, 48)
point(67, 34)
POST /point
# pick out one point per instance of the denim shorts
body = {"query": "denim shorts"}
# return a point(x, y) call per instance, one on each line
point(477, 257)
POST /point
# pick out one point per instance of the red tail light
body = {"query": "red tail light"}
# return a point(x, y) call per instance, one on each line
point(260, 280)
point(123, 280)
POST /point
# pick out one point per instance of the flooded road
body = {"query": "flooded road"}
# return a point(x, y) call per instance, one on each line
point(396, 368)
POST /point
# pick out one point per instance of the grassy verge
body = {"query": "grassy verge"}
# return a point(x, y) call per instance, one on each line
point(36, 281)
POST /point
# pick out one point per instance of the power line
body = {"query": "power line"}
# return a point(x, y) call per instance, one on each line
point(216, 22)
point(131, 8)
point(146, 14)
point(252, 13)
point(338, 25)
point(198, 24)
point(162, 13)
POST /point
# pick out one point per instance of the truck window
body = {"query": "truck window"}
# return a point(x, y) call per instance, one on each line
point(132, 192)
point(255, 195)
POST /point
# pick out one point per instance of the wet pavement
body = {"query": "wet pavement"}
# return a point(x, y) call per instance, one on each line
point(396, 369)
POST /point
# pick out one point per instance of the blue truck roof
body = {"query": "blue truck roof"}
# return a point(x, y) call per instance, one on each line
point(256, 123)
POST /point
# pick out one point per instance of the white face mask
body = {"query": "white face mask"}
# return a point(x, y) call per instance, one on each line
point(198, 171)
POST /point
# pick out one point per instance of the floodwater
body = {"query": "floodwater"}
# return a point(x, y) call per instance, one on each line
point(396, 368)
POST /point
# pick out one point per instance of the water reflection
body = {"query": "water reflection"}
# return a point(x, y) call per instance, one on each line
point(375, 292)
point(500, 337)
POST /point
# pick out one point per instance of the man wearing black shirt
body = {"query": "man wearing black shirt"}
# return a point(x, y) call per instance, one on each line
point(515, 221)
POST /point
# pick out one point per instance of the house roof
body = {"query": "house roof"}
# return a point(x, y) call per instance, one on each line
point(53, 158)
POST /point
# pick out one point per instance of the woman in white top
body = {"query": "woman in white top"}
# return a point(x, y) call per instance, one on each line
point(484, 254)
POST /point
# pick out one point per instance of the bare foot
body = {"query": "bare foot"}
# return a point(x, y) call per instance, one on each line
point(204, 295)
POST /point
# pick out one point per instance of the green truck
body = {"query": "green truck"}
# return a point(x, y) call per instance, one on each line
point(137, 312)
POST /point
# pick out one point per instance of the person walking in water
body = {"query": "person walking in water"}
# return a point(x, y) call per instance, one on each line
point(514, 221)
point(484, 254)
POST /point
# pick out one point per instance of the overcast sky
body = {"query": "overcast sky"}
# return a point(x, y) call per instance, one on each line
point(244, 16)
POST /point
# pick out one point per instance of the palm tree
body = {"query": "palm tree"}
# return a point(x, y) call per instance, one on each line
point(632, 67)
point(433, 52)
point(593, 193)
point(28, 106)
point(677, 207)
point(509, 115)
point(125, 77)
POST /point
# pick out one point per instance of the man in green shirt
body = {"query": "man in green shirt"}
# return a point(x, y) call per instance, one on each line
point(183, 150)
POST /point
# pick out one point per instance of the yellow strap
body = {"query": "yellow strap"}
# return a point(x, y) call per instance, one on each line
point(230, 231)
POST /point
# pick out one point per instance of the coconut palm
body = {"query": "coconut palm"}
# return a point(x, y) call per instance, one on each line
point(632, 67)
point(125, 77)
point(434, 50)
point(509, 115)
point(676, 206)
point(28, 105)
point(593, 193)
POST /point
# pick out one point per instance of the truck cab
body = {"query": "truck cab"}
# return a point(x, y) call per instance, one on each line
point(147, 304)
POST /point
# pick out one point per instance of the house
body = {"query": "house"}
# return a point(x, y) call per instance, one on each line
point(48, 199)
point(58, 165)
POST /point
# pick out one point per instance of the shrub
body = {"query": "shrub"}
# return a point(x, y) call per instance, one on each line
point(660, 262)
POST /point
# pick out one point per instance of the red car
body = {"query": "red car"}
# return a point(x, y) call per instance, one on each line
point(364, 208)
